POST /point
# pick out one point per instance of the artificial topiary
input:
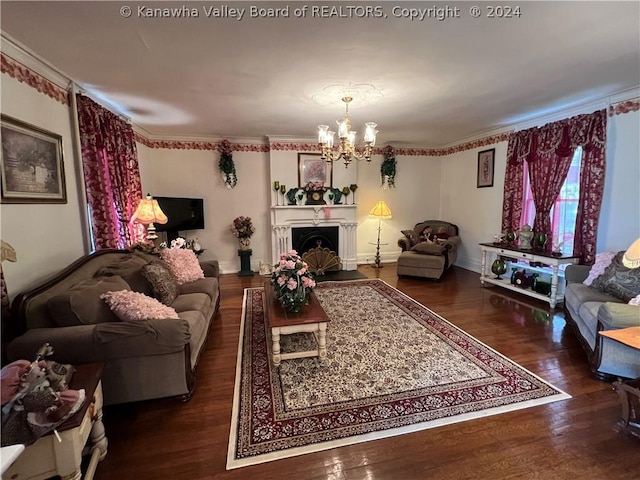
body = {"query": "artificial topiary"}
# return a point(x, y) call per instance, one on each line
point(226, 165)
point(388, 167)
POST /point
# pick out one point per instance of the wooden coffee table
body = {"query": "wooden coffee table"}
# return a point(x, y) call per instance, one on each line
point(312, 318)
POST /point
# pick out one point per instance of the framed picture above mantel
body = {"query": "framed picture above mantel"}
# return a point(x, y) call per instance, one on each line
point(486, 163)
point(311, 168)
point(31, 164)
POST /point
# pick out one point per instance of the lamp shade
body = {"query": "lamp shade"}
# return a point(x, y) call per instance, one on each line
point(381, 210)
point(631, 258)
point(148, 212)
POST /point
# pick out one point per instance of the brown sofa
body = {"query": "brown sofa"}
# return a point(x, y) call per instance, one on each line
point(144, 360)
point(421, 259)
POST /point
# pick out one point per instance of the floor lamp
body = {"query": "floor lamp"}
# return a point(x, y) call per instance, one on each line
point(380, 211)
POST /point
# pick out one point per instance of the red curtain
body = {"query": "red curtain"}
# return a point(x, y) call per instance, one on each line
point(548, 151)
point(111, 175)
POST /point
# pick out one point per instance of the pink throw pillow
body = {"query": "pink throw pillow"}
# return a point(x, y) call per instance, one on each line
point(603, 260)
point(183, 263)
point(130, 306)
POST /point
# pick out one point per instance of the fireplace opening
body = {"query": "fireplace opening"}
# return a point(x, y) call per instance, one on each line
point(304, 239)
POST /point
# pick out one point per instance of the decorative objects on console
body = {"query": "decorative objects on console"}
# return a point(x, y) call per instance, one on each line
point(292, 281)
point(388, 167)
point(315, 193)
point(226, 165)
point(525, 235)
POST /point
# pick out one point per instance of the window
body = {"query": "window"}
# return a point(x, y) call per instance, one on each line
point(565, 208)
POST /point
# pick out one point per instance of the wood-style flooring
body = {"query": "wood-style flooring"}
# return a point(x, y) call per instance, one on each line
point(571, 439)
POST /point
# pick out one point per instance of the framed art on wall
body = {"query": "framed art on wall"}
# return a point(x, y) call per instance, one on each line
point(486, 162)
point(311, 168)
point(31, 164)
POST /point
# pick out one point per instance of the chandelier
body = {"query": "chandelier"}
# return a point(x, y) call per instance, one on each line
point(347, 147)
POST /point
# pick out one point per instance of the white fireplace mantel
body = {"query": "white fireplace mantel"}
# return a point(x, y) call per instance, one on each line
point(284, 218)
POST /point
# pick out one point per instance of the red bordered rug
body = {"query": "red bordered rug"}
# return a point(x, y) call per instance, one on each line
point(393, 366)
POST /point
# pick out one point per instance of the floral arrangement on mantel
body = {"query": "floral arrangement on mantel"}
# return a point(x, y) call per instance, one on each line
point(292, 281)
point(242, 227)
point(388, 167)
point(313, 186)
point(226, 165)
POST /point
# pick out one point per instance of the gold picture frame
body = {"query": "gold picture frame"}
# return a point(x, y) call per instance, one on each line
point(31, 164)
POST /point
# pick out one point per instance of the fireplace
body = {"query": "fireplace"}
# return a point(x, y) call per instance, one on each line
point(304, 239)
point(301, 227)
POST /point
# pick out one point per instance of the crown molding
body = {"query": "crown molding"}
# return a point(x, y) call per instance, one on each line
point(31, 60)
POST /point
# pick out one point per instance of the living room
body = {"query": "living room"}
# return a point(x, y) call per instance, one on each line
point(436, 180)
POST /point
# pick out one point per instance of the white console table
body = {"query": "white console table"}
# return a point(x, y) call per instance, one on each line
point(530, 255)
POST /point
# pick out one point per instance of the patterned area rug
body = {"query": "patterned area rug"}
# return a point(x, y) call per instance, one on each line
point(393, 366)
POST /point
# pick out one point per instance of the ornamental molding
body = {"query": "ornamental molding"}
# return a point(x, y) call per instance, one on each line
point(625, 106)
point(24, 74)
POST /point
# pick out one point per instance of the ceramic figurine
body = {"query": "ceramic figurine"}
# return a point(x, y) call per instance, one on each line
point(525, 235)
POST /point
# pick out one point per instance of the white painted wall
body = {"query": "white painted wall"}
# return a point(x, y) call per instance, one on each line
point(414, 198)
point(619, 222)
point(476, 211)
point(47, 237)
point(195, 173)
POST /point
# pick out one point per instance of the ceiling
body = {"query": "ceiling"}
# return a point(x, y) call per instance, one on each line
point(430, 82)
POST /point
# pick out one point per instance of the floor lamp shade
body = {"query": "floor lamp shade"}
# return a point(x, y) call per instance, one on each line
point(148, 213)
point(381, 210)
point(631, 258)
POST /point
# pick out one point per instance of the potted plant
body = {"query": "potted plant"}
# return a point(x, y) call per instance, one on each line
point(226, 165)
point(388, 167)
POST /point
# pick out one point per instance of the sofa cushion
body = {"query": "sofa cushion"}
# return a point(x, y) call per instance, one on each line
point(428, 248)
point(603, 260)
point(191, 301)
point(618, 280)
point(183, 263)
point(163, 283)
point(208, 285)
point(81, 304)
point(131, 306)
point(129, 268)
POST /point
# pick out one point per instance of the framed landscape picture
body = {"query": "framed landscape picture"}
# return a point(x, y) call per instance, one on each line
point(31, 164)
point(486, 161)
point(311, 168)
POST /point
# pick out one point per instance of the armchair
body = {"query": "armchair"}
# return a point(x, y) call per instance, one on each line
point(428, 258)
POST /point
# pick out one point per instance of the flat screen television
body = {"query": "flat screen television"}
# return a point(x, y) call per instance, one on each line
point(183, 214)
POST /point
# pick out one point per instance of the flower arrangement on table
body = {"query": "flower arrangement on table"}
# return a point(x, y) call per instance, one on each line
point(292, 281)
point(226, 165)
point(242, 227)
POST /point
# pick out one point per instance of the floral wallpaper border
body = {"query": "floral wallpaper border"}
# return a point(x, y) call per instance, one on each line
point(24, 74)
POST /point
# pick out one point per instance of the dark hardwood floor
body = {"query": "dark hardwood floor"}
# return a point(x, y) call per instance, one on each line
point(575, 438)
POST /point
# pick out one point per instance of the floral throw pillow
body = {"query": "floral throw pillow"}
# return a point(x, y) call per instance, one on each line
point(163, 283)
point(130, 306)
point(603, 260)
point(411, 235)
point(618, 280)
point(183, 264)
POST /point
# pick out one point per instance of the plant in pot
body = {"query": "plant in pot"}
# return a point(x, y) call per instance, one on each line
point(226, 165)
point(388, 167)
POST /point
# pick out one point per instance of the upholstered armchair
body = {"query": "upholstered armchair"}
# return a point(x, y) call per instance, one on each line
point(428, 253)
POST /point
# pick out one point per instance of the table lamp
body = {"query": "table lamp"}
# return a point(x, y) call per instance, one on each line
point(631, 258)
point(380, 211)
point(148, 213)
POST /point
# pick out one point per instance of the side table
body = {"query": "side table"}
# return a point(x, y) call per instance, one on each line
point(48, 457)
point(245, 263)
